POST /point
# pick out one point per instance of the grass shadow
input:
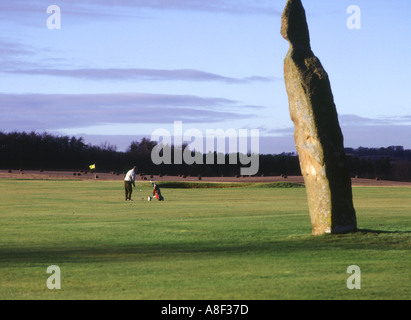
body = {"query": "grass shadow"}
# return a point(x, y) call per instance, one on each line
point(365, 231)
point(298, 246)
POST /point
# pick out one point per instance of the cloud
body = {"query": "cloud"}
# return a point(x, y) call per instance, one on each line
point(381, 132)
point(268, 145)
point(377, 136)
point(279, 132)
point(354, 136)
point(17, 55)
point(25, 112)
point(14, 53)
point(282, 140)
point(12, 48)
point(362, 131)
point(113, 8)
point(227, 6)
point(354, 120)
point(140, 74)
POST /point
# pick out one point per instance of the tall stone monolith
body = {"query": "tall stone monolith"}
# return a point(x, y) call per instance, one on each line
point(318, 136)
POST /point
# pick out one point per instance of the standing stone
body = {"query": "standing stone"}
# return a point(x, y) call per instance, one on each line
point(318, 136)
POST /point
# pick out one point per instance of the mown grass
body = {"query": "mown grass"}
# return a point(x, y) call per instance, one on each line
point(251, 242)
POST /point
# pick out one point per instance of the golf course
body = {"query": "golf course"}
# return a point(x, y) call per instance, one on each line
point(205, 241)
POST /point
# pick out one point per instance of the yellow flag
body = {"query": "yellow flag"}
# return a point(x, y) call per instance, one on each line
point(92, 166)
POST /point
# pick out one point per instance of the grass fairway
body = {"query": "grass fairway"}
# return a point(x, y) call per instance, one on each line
point(203, 243)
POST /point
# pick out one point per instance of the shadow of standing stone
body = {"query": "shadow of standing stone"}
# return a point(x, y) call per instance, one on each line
point(318, 136)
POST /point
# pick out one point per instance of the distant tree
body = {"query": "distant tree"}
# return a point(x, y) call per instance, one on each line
point(21, 150)
point(139, 154)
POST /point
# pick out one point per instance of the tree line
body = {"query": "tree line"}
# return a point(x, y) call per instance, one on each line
point(35, 151)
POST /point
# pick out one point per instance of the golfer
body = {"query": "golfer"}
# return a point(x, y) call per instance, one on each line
point(129, 182)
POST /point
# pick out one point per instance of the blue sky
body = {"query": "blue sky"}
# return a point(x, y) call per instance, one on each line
point(118, 70)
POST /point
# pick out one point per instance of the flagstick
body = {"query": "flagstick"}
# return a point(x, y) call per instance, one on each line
point(93, 170)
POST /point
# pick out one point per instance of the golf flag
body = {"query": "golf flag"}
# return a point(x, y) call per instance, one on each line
point(92, 166)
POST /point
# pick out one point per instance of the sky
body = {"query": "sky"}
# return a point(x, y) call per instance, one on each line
point(117, 71)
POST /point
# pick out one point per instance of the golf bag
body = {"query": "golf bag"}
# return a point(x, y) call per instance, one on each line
point(156, 192)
